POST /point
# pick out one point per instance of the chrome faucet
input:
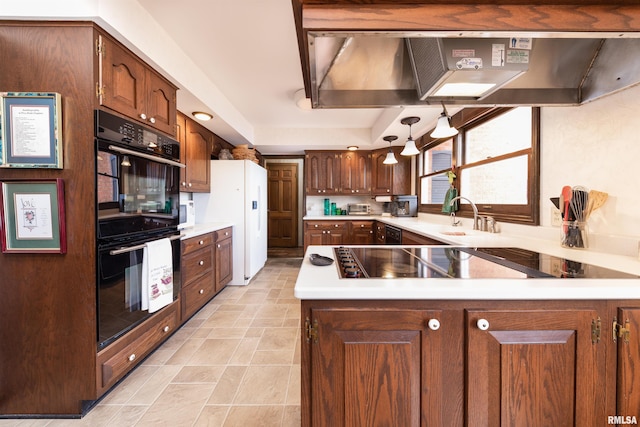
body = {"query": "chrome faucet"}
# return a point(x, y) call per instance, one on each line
point(473, 206)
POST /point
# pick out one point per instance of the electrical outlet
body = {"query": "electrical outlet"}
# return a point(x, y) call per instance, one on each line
point(556, 217)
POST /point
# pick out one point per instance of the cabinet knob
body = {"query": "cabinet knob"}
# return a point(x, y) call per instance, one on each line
point(184, 184)
point(324, 232)
point(201, 242)
point(143, 116)
point(218, 246)
point(226, 233)
point(329, 232)
point(165, 329)
point(132, 357)
point(201, 291)
point(189, 184)
point(152, 119)
point(361, 225)
point(388, 191)
point(316, 226)
point(434, 324)
point(201, 263)
point(483, 324)
point(336, 225)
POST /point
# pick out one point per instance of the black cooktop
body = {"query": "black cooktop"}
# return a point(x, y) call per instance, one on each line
point(462, 263)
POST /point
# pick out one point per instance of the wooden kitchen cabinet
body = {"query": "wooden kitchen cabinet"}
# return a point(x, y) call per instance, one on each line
point(380, 233)
point(409, 238)
point(130, 87)
point(198, 141)
point(361, 233)
point(116, 360)
point(325, 233)
point(223, 242)
point(627, 338)
point(322, 173)
point(355, 169)
point(390, 179)
point(379, 366)
point(533, 367)
point(198, 280)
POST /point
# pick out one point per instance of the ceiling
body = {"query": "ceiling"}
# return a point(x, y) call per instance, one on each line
point(251, 55)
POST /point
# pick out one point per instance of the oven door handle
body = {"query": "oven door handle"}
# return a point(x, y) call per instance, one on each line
point(146, 156)
point(136, 247)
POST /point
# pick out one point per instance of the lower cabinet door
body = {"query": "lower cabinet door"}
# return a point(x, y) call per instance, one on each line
point(628, 401)
point(534, 368)
point(375, 367)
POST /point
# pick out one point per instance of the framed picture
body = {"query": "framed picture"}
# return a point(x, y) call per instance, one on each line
point(32, 216)
point(30, 130)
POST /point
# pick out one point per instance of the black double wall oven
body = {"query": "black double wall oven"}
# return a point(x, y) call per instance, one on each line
point(138, 201)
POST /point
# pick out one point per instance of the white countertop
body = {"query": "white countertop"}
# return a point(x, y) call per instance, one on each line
point(205, 228)
point(325, 283)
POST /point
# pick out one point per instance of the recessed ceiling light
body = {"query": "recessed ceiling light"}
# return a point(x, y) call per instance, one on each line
point(202, 115)
point(352, 148)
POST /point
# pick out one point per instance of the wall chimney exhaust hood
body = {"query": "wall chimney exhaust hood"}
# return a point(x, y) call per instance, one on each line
point(385, 69)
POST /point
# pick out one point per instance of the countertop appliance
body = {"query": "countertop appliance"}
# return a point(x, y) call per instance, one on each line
point(462, 263)
point(392, 235)
point(187, 214)
point(402, 206)
point(358, 209)
point(238, 195)
point(137, 187)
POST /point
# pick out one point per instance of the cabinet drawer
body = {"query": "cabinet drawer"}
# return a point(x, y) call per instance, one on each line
point(195, 243)
point(362, 225)
point(196, 264)
point(325, 225)
point(120, 357)
point(196, 295)
point(225, 233)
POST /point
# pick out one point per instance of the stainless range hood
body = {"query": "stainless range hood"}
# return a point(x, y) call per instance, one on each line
point(407, 69)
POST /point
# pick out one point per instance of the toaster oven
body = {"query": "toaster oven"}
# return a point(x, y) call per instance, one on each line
point(358, 209)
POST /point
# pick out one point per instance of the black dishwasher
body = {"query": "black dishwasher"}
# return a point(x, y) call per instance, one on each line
point(393, 235)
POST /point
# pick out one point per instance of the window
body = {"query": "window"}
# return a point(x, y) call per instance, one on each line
point(495, 158)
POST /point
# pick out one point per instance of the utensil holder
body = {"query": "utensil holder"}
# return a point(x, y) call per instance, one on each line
point(575, 234)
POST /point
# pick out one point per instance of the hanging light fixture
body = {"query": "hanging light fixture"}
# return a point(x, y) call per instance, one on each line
point(391, 158)
point(125, 161)
point(410, 148)
point(443, 128)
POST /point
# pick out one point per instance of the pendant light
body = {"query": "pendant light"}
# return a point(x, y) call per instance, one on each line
point(443, 128)
point(391, 158)
point(410, 148)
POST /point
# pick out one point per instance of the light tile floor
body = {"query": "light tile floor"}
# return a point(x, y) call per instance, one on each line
point(234, 363)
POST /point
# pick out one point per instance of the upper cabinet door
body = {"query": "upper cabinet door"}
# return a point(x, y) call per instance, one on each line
point(356, 172)
point(129, 87)
point(123, 80)
point(322, 172)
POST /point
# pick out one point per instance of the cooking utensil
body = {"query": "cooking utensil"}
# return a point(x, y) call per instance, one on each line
point(566, 195)
point(596, 200)
point(579, 199)
point(555, 201)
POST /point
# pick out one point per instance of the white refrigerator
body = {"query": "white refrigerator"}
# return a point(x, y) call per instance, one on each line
point(238, 195)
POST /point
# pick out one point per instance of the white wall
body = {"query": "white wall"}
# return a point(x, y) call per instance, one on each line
point(595, 145)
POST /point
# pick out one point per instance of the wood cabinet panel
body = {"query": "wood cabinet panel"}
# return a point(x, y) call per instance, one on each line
point(409, 238)
point(380, 233)
point(390, 179)
point(533, 368)
point(361, 233)
point(195, 295)
point(355, 170)
point(368, 367)
point(325, 233)
point(628, 376)
point(223, 242)
point(130, 87)
point(198, 143)
point(123, 355)
point(195, 243)
point(322, 172)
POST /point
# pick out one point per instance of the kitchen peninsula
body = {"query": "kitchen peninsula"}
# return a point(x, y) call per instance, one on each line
point(463, 351)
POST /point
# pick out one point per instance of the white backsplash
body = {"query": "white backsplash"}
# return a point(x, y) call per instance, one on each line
point(315, 204)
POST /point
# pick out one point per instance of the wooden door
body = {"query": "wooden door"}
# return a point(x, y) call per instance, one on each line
point(628, 401)
point(282, 205)
point(123, 80)
point(534, 368)
point(198, 155)
point(375, 368)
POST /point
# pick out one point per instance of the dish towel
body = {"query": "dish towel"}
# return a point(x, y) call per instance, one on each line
point(446, 206)
point(157, 275)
